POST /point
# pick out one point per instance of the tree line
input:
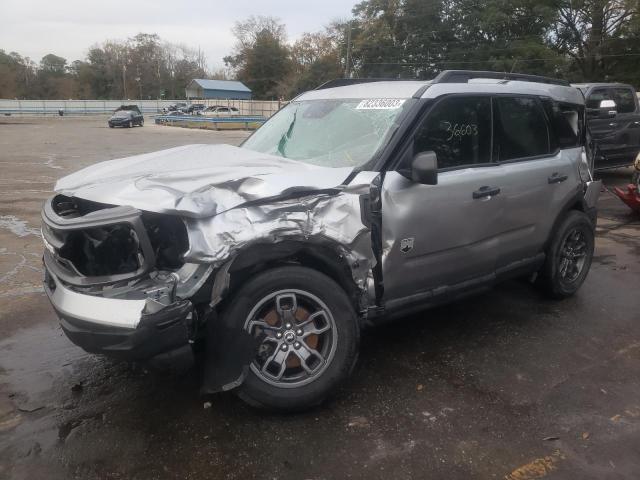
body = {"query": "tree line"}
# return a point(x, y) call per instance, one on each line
point(580, 40)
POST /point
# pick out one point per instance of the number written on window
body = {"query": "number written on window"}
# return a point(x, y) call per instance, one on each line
point(461, 130)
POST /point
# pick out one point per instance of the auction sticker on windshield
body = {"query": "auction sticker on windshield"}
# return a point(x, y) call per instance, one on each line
point(380, 104)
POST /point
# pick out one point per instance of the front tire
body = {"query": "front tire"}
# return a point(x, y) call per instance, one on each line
point(310, 337)
point(130, 124)
point(569, 256)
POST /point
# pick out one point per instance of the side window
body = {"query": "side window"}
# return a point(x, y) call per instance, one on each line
point(595, 97)
point(458, 130)
point(520, 128)
point(566, 123)
point(625, 102)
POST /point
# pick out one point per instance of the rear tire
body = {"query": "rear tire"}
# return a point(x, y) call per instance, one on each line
point(311, 337)
point(142, 122)
point(569, 256)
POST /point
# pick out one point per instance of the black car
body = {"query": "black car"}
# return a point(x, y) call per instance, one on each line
point(194, 108)
point(175, 107)
point(126, 116)
point(613, 118)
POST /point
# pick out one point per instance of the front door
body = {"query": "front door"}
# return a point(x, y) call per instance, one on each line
point(437, 236)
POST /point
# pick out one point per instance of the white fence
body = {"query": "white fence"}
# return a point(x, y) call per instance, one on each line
point(93, 107)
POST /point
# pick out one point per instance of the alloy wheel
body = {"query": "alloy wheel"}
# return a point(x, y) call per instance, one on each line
point(572, 256)
point(298, 334)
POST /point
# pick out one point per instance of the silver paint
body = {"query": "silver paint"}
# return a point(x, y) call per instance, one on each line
point(197, 181)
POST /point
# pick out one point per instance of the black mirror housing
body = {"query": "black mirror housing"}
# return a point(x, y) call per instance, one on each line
point(424, 168)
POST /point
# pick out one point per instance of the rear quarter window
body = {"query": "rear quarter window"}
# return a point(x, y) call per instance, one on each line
point(566, 122)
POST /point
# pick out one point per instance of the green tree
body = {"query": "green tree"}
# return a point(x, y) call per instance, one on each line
point(599, 36)
point(261, 58)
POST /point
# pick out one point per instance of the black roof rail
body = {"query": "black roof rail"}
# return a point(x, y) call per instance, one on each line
point(343, 82)
point(463, 76)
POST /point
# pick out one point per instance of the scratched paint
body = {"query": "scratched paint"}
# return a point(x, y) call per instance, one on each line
point(538, 468)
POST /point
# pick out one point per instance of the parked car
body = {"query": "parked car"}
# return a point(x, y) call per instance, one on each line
point(194, 108)
point(126, 116)
point(219, 111)
point(174, 107)
point(355, 203)
point(613, 118)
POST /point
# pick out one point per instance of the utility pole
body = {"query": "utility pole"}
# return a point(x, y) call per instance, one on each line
point(124, 81)
point(347, 70)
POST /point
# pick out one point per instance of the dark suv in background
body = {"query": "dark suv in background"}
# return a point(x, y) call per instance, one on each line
point(613, 117)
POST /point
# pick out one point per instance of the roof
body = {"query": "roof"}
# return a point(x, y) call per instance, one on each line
point(600, 84)
point(408, 89)
point(383, 89)
point(231, 85)
point(560, 93)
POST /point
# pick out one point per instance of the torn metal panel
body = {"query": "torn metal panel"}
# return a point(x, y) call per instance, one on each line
point(197, 181)
point(334, 218)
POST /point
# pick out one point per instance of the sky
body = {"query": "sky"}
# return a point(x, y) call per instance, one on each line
point(68, 28)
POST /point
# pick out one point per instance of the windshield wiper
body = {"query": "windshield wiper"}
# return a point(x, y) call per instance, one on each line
point(287, 135)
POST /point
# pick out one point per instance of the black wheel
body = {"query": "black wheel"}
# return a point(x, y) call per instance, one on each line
point(142, 122)
point(110, 126)
point(569, 256)
point(310, 337)
point(130, 125)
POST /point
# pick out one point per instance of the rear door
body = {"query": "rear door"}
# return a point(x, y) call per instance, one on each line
point(437, 236)
point(539, 177)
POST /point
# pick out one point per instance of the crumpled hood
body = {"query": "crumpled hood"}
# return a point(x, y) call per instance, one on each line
point(197, 180)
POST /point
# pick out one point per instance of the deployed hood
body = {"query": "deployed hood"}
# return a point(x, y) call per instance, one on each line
point(198, 180)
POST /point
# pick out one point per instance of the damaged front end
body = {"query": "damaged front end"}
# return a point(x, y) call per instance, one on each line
point(117, 280)
point(142, 258)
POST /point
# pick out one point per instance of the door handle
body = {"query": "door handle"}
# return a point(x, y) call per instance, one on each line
point(556, 178)
point(486, 192)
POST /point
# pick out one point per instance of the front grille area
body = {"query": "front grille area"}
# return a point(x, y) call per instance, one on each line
point(93, 243)
point(108, 250)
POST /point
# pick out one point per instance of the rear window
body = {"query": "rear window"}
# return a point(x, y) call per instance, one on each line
point(520, 128)
point(566, 123)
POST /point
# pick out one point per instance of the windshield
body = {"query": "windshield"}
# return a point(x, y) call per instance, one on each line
point(122, 113)
point(331, 133)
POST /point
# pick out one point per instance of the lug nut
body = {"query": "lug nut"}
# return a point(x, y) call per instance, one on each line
point(296, 345)
point(279, 335)
point(299, 331)
point(284, 347)
point(288, 326)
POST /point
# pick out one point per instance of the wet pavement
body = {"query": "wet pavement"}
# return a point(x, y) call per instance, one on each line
point(503, 385)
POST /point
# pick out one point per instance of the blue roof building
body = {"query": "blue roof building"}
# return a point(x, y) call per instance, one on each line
point(221, 89)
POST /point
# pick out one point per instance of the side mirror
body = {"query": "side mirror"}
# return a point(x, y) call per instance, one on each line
point(424, 168)
point(608, 109)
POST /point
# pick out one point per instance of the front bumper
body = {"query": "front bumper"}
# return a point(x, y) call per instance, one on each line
point(120, 328)
point(120, 123)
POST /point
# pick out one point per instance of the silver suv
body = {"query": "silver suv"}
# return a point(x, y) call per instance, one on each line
point(354, 203)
